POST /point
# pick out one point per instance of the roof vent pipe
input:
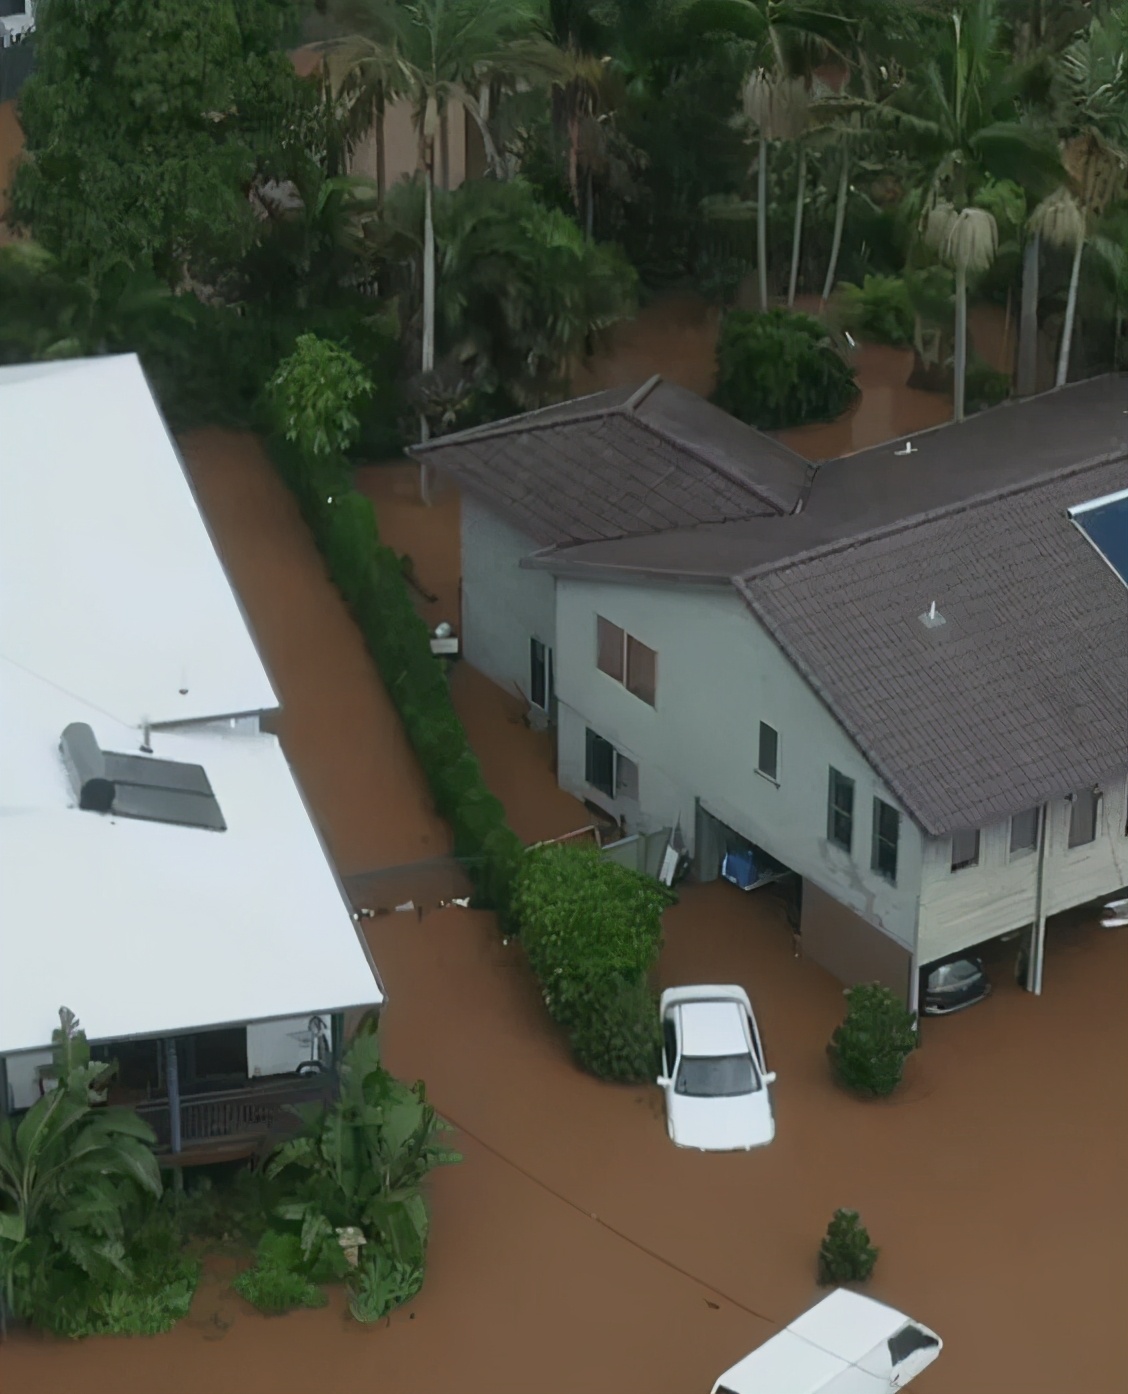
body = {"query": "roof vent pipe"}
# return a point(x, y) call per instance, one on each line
point(86, 766)
point(932, 618)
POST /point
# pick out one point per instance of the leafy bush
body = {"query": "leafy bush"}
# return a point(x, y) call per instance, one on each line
point(586, 923)
point(880, 309)
point(869, 1050)
point(280, 1280)
point(780, 369)
point(382, 1284)
point(984, 385)
point(313, 394)
point(846, 1254)
point(621, 1037)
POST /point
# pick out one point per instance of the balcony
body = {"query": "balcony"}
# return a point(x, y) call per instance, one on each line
point(224, 1125)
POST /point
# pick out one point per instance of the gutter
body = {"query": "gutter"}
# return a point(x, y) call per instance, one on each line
point(1038, 939)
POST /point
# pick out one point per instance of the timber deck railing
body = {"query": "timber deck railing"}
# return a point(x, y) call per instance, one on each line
point(231, 1115)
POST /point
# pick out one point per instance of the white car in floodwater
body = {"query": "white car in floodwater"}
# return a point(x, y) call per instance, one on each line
point(713, 1072)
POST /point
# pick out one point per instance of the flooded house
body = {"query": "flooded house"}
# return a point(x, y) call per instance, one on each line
point(900, 676)
point(160, 873)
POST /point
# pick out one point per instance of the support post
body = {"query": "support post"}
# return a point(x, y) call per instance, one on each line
point(1038, 929)
point(172, 1081)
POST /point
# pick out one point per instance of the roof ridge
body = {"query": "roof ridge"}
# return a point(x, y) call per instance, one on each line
point(731, 475)
point(522, 421)
point(931, 515)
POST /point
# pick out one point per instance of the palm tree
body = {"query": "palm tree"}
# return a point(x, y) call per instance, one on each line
point(962, 120)
point(435, 52)
point(966, 240)
point(777, 108)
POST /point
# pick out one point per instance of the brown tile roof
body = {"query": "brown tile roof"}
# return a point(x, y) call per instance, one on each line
point(1020, 696)
point(640, 461)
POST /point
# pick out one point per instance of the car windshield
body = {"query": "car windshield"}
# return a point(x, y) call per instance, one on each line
point(716, 1076)
point(954, 974)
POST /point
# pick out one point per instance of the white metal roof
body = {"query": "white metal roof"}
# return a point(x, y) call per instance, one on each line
point(147, 928)
point(848, 1324)
point(712, 1028)
point(111, 585)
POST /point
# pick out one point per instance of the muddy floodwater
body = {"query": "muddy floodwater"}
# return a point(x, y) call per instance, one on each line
point(575, 1248)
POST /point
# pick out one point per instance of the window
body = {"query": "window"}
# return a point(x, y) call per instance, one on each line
point(642, 674)
point(599, 764)
point(768, 762)
point(1024, 832)
point(1083, 815)
point(965, 849)
point(840, 811)
point(886, 833)
point(626, 777)
point(716, 1076)
point(611, 646)
point(540, 675)
point(627, 660)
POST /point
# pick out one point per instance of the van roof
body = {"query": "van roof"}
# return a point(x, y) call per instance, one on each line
point(802, 1359)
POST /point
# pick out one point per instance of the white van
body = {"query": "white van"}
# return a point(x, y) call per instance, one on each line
point(846, 1344)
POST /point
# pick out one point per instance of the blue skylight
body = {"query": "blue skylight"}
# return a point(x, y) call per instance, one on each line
point(1105, 523)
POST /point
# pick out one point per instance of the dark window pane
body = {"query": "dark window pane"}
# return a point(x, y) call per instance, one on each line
point(609, 657)
point(768, 762)
point(886, 833)
point(642, 670)
point(840, 816)
point(965, 849)
point(1024, 831)
point(538, 674)
point(1083, 817)
point(600, 764)
point(217, 1054)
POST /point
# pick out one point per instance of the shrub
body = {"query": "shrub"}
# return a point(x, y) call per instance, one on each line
point(382, 1284)
point(621, 1037)
point(869, 1050)
point(780, 369)
point(846, 1254)
point(587, 924)
point(313, 394)
point(274, 1286)
point(879, 309)
point(984, 385)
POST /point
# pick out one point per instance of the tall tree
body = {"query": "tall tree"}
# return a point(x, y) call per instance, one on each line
point(434, 53)
point(961, 118)
point(146, 123)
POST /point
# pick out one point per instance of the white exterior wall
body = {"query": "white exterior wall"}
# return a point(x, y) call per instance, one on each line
point(962, 908)
point(718, 675)
point(503, 607)
point(272, 1049)
point(23, 1082)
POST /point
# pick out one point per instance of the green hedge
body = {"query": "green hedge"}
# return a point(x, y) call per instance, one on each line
point(592, 930)
point(369, 576)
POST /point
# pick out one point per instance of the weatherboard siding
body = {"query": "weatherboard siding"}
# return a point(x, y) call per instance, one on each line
point(503, 607)
point(961, 908)
point(718, 675)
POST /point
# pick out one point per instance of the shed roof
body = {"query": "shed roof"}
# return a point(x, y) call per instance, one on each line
point(619, 463)
point(121, 597)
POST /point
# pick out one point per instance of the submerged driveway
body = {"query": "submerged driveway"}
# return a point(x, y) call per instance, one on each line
point(575, 1249)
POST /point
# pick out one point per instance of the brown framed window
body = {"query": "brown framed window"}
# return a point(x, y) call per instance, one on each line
point(965, 849)
point(610, 648)
point(626, 659)
point(1084, 815)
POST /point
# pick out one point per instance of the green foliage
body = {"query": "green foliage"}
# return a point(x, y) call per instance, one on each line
point(986, 386)
point(620, 1037)
point(869, 1050)
point(280, 1280)
point(382, 1284)
point(314, 392)
point(370, 577)
point(592, 930)
point(358, 1164)
point(73, 1188)
point(520, 291)
point(880, 310)
point(780, 369)
point(146, 121)
point(846, 1254)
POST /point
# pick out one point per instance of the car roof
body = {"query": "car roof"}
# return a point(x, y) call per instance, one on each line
point(712, 1027)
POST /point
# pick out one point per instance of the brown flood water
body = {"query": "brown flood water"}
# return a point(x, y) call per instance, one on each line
point(575, 1248)
point(11, 143)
